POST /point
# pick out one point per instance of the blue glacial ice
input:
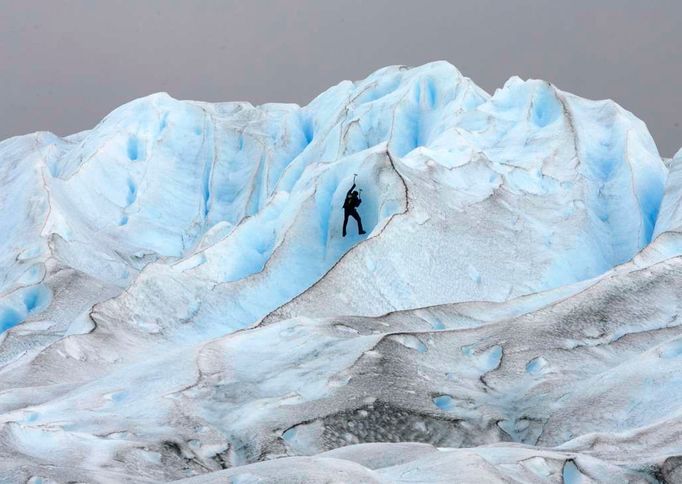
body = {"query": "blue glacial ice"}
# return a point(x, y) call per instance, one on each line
point(176, 296)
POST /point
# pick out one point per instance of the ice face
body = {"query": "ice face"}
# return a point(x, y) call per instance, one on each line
point(176, 296)
point(567, 187)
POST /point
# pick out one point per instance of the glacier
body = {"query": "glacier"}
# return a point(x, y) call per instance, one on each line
point(177, 302)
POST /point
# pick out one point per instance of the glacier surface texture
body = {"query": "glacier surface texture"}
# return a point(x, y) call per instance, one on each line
point(177, 302)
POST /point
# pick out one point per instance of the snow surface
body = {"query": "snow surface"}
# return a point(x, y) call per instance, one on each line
point(176, 299)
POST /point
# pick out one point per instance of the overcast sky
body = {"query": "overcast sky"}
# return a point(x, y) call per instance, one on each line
point(66, 64)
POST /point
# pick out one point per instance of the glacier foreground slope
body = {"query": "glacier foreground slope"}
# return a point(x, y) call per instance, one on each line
point(177, 301)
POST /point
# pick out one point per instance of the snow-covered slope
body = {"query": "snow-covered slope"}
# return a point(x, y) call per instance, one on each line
point(176, 297)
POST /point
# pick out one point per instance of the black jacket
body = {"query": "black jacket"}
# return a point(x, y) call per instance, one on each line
point(352, 201)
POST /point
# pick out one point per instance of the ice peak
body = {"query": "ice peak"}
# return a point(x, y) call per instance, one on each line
point(150, 181)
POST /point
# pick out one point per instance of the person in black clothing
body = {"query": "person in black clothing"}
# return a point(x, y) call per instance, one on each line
point(350, 206)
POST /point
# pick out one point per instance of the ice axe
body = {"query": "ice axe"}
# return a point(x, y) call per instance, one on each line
point(355, 175)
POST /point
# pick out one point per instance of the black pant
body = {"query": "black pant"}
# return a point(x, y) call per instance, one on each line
point(351, 213)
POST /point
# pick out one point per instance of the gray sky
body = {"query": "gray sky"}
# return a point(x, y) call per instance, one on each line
point(66, 64)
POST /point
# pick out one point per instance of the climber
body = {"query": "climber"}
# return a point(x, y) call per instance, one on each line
point(350, 205)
